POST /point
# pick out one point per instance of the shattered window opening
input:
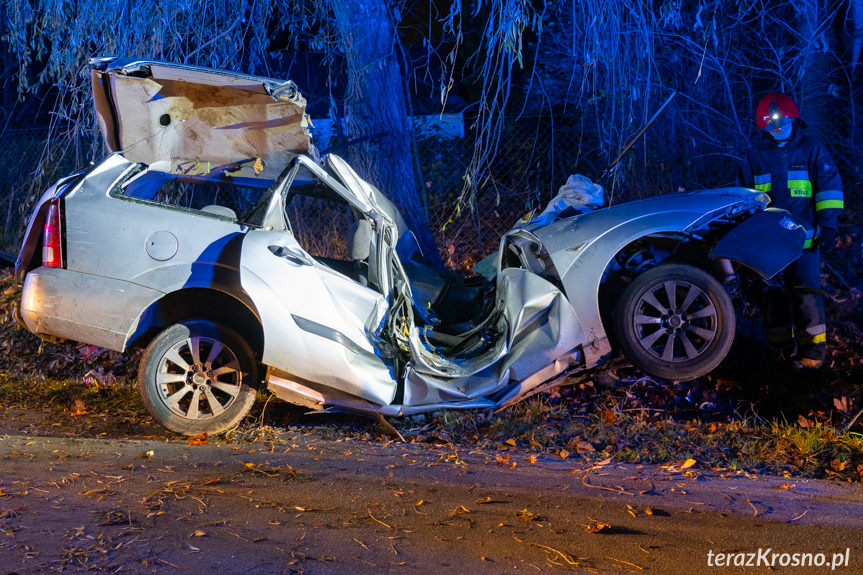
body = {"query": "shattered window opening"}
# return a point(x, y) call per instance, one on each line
point(223, 199)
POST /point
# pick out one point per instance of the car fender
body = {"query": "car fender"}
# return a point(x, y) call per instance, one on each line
point(582, 265)
point(149, 316)
point(583, 247)
point(218, 270)
point(767, 242)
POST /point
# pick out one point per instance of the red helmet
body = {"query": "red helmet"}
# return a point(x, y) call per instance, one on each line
point(773, 108)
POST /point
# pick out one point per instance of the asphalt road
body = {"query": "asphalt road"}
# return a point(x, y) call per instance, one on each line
point(308, 505)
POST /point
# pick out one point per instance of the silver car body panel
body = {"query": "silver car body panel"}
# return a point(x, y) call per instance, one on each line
point(318, 325)
point(82, 307)
point(204, 249)
point(582, 248)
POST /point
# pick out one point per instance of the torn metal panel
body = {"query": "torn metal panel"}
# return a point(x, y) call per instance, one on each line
point(423, 389)
point(543, 326)
point(195, 121)
point(779, 240)
point(535, 328)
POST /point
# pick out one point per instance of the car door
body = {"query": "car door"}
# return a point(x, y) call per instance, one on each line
point(321, 324)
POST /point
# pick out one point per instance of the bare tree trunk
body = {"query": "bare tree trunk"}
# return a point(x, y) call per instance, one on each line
point(376, 110)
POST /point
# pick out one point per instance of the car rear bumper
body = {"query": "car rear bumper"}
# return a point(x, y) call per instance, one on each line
point(82, 307)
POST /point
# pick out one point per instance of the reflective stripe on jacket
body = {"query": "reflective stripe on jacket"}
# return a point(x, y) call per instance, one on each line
point(800, 177)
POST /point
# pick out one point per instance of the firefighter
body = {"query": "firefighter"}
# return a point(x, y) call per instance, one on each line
point(801, 177)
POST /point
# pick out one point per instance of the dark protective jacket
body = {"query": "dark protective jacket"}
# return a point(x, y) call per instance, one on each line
point(800, 177)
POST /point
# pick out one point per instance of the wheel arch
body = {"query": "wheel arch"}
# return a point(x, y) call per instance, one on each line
point(196, 302)
point(636, 257)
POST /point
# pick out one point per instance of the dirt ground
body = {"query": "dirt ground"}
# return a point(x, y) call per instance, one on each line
point(302, 504)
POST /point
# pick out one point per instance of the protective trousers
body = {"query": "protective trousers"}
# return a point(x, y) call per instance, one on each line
point(795, 314)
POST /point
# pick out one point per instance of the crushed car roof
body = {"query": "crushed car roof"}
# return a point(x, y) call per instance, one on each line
point(198, 121)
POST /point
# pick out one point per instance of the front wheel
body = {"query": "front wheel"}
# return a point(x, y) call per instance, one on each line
point(198, 376)
point(675, 321)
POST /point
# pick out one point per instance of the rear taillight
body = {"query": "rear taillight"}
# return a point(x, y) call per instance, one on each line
point(52, 238)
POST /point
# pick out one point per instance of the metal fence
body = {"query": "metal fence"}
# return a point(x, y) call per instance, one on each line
point(535, 157)
point(29, 164)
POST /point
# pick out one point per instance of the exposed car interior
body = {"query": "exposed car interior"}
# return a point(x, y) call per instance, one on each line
point(332, 232)
point(324, 225)
point(219, 197)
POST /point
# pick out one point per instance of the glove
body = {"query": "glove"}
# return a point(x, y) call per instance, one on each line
point(828, 239)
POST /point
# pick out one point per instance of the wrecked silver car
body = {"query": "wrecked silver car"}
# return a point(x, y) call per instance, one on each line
point(152, 248)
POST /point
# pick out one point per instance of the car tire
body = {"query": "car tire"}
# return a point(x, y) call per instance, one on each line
point(675, 321)
point(198, 376)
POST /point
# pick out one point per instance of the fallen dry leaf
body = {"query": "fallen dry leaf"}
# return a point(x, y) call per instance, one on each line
point(199, 439)
point(802, 421)
point(607, 417)
point(584, 446)
point(598, 527)
point(841, 404)
point(688, 463)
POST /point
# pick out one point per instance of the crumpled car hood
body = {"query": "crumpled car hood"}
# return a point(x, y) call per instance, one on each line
point(197, 121)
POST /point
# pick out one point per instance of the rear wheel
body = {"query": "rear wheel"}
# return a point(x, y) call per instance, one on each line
point(675, 321)
point(198, 376)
